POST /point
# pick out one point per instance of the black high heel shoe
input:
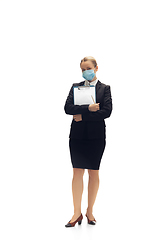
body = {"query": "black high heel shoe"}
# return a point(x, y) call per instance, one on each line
point(91, 222)
point(79, 220)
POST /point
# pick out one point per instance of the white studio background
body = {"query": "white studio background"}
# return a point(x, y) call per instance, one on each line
point(41, 45)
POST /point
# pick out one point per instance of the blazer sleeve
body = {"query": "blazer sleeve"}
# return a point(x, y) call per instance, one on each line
point(72, 109)
point(103, 113)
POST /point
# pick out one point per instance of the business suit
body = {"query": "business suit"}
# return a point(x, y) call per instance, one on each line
point(90, 131)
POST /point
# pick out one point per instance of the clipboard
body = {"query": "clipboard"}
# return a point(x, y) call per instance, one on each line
point(84, 95)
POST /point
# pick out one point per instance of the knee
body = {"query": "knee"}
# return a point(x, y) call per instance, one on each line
point(78, 172)
point(93, 174)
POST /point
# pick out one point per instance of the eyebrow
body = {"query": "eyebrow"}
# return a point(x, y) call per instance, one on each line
point(86, 68)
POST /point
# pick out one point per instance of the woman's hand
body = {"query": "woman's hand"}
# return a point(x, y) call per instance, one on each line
point(94, 107)
point(77, 117)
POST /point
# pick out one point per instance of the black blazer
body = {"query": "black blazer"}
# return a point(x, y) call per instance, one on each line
point(92, 125)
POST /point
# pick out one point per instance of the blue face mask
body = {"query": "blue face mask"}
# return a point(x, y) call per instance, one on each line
point(88, 74)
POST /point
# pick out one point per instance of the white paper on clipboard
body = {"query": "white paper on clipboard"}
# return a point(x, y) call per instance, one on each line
point(83, 95)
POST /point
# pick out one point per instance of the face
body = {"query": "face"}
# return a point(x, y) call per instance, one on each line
point(88, 65)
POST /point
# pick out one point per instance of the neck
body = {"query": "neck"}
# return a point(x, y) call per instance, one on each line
point(93, 79)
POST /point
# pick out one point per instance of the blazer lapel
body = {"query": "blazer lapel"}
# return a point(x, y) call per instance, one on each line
point(98, 85)
point(81, 83)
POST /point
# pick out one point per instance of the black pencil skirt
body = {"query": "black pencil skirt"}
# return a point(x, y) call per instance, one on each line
point(86, 153)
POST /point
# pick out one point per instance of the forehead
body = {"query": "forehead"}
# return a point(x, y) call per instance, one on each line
point(87, 64)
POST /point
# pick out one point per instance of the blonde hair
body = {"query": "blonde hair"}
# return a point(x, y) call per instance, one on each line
point(89, 58)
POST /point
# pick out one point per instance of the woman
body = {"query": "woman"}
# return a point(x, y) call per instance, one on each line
point(87, 139)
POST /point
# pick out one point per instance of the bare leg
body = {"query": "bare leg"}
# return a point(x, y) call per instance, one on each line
point(77, 190)
point(93, 186)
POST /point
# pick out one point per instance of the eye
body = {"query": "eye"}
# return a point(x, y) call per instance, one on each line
point(88, 68)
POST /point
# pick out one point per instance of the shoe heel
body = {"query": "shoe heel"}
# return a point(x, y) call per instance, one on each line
point(79, 223)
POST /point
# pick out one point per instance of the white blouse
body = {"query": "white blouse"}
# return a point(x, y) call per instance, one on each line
point(87, 83)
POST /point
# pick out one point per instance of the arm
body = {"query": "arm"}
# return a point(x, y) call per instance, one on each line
point(103, 113)
point(72, 109)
